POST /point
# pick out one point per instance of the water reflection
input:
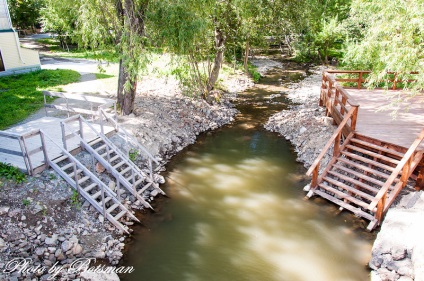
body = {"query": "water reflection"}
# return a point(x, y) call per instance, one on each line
point(237, 213)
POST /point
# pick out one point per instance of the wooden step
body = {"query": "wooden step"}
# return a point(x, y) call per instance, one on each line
point(84, 179)
point(67, 166)
point(90, 187)
point(378, 148)
point(140, 192)
point(139, 181)
point(373, 154)
point(100, 148)
point(120, 215)
point(123, 172)
point(119, 164)
point(351, 188)
point(60, 159)
point(363, 168)
point(95, 141)
point(104, 155)
point(114, 158)
point(359, 175)
point(343, 195)
point(111, 208)
point(357, 211)
point(368, 161)
point(72, 174)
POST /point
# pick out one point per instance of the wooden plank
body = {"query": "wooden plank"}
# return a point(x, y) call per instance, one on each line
point(11, 152)
point(347, 187)
point(367, 161)
point(379, 147)
point(360, 175)
point(344, 195)
point(354, 181)
point(357, 211)
point(363, 168)
point(373, 154)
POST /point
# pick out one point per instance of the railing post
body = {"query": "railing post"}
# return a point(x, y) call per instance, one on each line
point(28, 157)
point(81, 130)
point(360, 80)
point(103, 201)
point(25, 155)
point(354, 118)
point(380, 208)
point(336, 150)
point(394, 82)
point(151, 168)
point(62, 125)
point(76, 178)
point(314, 181)
point(406, 169)
point(43, 145)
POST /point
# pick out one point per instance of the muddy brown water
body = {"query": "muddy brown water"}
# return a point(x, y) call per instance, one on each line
point(236, 209)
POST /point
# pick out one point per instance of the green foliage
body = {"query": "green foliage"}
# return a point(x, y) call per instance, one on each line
point(75, 199)
point(21, 94)
point(253, 71)
point(132, 154)
point(10, 172)
point(25, 13)
point(52, 176)
point(26, 202)
point(388, 37)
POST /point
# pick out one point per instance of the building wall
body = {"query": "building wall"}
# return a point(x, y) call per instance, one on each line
point(9, 49)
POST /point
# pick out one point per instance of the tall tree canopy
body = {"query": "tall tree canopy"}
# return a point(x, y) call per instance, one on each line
point(390, 38)
point(25, 13)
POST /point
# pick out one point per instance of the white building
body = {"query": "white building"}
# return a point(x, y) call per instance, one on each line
point(13, 58)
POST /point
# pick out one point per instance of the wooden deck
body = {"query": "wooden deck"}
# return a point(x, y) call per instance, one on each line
point(400, 130)
point(51, 126)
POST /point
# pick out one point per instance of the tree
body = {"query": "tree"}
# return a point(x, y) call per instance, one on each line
point(390, 38)
point(117, 25)
point(25, 13)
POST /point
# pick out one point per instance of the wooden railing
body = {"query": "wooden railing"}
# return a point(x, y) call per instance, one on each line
point(95, 103)
point(406, 166)
point(338, 102)
point(336, 140)
point(358, 77)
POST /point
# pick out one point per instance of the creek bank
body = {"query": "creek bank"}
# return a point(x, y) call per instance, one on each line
point(398, 252)
point(42, 219)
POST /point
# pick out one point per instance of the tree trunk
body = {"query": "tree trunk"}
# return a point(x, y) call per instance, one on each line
point(219, 46)
point(126, 98)
point(246, 57)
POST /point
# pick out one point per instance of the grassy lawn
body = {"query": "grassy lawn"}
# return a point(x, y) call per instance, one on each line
point(21, 95)
point(55, 49)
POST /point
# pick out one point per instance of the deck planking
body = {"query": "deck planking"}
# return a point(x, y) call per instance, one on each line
point(51, 126)
point(401, 130)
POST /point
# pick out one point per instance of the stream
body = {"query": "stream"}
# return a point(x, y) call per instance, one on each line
point(236, 209)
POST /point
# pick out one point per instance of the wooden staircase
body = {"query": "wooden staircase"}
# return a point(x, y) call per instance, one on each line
point(364, 175)
point(127, 174)
point(89, 186)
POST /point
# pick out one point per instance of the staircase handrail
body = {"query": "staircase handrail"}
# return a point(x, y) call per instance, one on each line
point(380, 197)
point(336, 137)
point(129, 136)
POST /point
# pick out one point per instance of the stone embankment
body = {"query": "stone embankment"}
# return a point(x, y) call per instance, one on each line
point(47, 227)
point(398, 251)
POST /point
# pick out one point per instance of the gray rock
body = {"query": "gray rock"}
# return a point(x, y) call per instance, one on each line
point(40, 251)
point(92, 276)
point(4, 210)
point(51, 240)
point(2, 244)
point(66, 246)
point(405, 268)
point(386, 275)
point(99, 255)
point(77, 249)
point(398, 252)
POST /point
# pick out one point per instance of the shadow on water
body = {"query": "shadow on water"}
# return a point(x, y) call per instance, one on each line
point(236, 211)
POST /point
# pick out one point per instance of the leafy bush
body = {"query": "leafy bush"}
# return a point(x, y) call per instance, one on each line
point(11, 173)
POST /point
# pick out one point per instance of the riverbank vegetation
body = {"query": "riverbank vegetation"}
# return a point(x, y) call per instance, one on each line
point(356, 34)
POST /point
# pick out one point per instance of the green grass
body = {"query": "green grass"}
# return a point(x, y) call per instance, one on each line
point(56, 50)
point(103, 75)
point(21, 95)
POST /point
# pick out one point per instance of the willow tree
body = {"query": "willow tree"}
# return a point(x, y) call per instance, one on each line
point(388, 36)
point(116, 25)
